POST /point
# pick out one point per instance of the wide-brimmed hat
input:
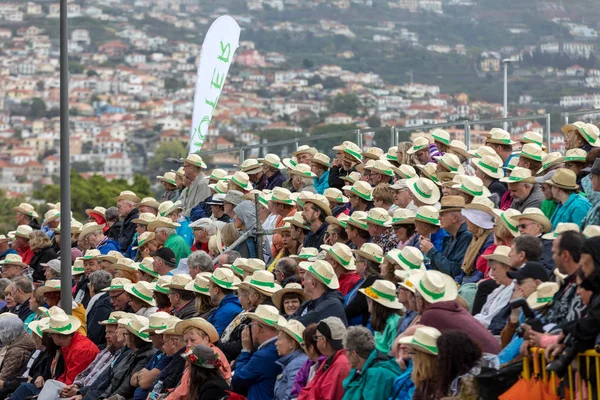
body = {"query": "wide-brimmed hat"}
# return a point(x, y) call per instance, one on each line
point(77, 268)
point(141, 291)
point(144, 239)
point(297, 220)
point(168, 177)
point(320, 201)
point(144, 219)
point(179, 281)
point(195, 160)
point(500, 255)
point(159, 321)
point(532, 151)
point(293, 328)
point(13, 259)
point(148, 202)
point(302, 170)
point(429, 171)
point(549, 161)
point(519, 174)
point(392, 154)
point(199, 284)
point(160, 285)
point(52, 285)
point(361, 189)
point(419, 143)
point(22, 231)
point(373, 153)
point(425, 190)
point(370, 251)
point(225, 278)
point(591, 231)
point(384, 293)
point(218, 174)
point(272, 160)
point(483, 151)
point(424, 340)
point(490, 165)
point(429, 215)
point(342, 254)
point(323, 272)
point(535, 214)
point(452, 203)
point(435, 286)
point(321, 159)
point(202, 356)
point(402, 216)
point(405, 278)
point(335, 195)
point(128, 195)
point(136, 325)
point(564, 179)
point(27, 209)
point(219, 187)
point(404, 171)
point(499, 136)
point(117, 284)
point(76, 227)
point(459, 147)
point(51, 216)
point(4, 239)
point(306, 253)
point(166, 208)
point(62, 324)
point(352, 177)
point(293, 287)
point(263, 282)
point(409, 258)
point(353, 151)
point(92, 254)
point(575, 155)
point(162, 222)
point(381, 166)
point(533, 137)
point(543, 295)
point(589, 132)
point(442, 136)
point(266, 314)
point(290, 162)
point(114, 317)
point(90, 227)
point(562, 227)
point(507, 218)
point(146, 266)
point(378, 216)
point(112, 257)
point(473, 186)
point(242, 180)
point(358, 219)
point(198, 323)
point(251, 166)
point(304, 149)
point(239, 266)
point(483, 204)
point(281, 195)
point(449, 161)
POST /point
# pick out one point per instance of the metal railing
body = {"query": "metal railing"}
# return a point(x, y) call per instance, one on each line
point(393, 133)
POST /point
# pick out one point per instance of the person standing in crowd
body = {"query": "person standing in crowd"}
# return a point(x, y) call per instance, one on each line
point(113, 223)
point(271, 167)
point(93, 237)
point(126, 206)
point(197, 191)
point(499, 140)
point(420, 150)
point(99, 307)
point(43, 252)
point(166, 236)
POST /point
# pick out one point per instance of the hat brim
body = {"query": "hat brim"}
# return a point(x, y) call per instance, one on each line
point(333, 284)
point(404, 221)
point(450, 292)
point(541, 219)
point(532, 302)
point(451, 209)
point(202, 164)
point(31, 214)
point(131, 292)
point(498, 258)
point(233, 286)
point(407, 341)
point(496, 175)
point(435, 195)
point(498, 141)
point(277, 297)
point(566, 187)
point(136, 333)
point(368, 256)
point(198, 323)
point(480, 207)
point(321, 205)
point(394, 305)
point(47, 289)
point(75, 325)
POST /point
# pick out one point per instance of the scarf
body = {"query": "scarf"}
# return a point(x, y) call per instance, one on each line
point(479, 239)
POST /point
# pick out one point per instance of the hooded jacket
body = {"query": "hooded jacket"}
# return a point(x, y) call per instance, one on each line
point(375, 380)
point(330, 304)
point(108, 245)
point(77, 355)
point(17, 355)
point(291, 364)
point(327, 382)
point(574, 210)
point(449, 315)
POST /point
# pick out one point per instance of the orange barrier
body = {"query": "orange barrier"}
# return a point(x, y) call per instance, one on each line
point(583, 360)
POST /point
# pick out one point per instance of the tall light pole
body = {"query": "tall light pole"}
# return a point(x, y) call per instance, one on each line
point(505, 62)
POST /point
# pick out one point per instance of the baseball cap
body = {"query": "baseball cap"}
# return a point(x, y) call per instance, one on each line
point(532, 269)
point(52, 264)
point(334, 331)
point(166, 255)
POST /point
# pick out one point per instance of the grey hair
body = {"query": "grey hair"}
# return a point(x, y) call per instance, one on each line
point(11, 328)
point(23, 283)
point(4, 282)
point(99, 280)
point(232, 255)
point(359, 339)
point(169, 231)
point(201, 260)
point(111, 214)
point(287, 266)
point(307, 181)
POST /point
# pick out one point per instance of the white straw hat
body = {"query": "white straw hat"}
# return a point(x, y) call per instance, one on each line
point(499, 136)
point(537, 215)
point(425, 190)
point(141, 291)
point(384, 293)
point(342, 255)
point(293, 328)
point(195, 160)
point(500, 255)
point(402, 216)
point(424, 340)
point(323, 271)
point(409, 258)
point(561, 228)
point(532, 151)
point(266, 314)
point(429, 215)
point(419, 143)
point(435, 286)
point(543, 295)
point(591, 231)
point(378, 216)
point(370, 251)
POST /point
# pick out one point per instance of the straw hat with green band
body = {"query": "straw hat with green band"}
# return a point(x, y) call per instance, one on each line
point(500, 255)
point(77, 268)
point(144, 239)
point(199, 284)
point(290, 162)
point(429, 171)
point(293, 328)
point(321, 159)
point(306, 253)
point(434, 286)
point(425, 190)
point(490, 165)
point(424, 340)
point(378, 216)
point(272, 160)
point(169, 177)
point(126, 264)
point(146, 266)
point(62, 324)
point(112, 256)
point(38, 326)
point(370, 251)
point(482, 151)
point(242, 180)
point(304, 149)
point(354, 151)
point(136, 324)
point(239, 266)
point(219, 187)
point(351, 178)
point(519, 174)
point(160, 285)
point(373, 153)
point(141, 291)
point(251, 166)
point(27, 209)
point(266, 314)
point(506, 218)
point(318, 200)
point(392, 154)
point(473, 186)
point(589, 132)
point(442, 136)
point(561, 228)
point(543, 295)
point(536, 215)
point(281, 195)
point(449, 161)
point(342, 254)
point(361, 189)
point(575, 155)
point(532, 151)
point(159, 321)
point(195, 160)
point(114, 317)
point(225, 279)
point(499, 136)
point(591, 231)
point(409, 258)
point(263, 282)
point(166, 208)
point(384, 293)
point(144, 219)
point(419, 144)
point(323, 272)
point(335, 196)
point(178, 281)
point(402, 216)
point(406, 171)
point(52, 285)
point(117, 284)
point(533, 137)
point(381, 166)
point(13, 259)
point(198, 323)
point(429, 215)
point(549, 161)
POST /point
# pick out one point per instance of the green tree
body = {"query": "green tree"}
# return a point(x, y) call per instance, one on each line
point(374, 121)
point(75, 67)
point(308, 64)
point(156, 165)
point(325, 145)
point(7, 215)
point(38, 108)
point(345, 103)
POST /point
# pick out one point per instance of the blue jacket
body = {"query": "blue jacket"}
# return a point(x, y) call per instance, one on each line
point(291, 364)
point(257, 372)
point(375, 380)
point(404, 388)
point(574, 210)
point(109, 245)
point(322, 183)
point(225, 312)
point(450, 259)
point(7, 252)
point(185, 231)
point(275, 180)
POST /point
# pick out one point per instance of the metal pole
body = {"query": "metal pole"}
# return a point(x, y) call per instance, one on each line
point(468, 134)
point(259, 230)
point(548, 133)
point(359, 140)
point(66, 297)
point(241, 155)
point(505, 94)
point(566, 118)
point(393, 137)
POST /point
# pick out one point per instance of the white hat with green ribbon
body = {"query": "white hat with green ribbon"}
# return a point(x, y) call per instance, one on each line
point(424, 340)
point(262, 281)
point(532, 151)
point(293, 328)
point(378, 216)
point(425, 190)
point(370, 251)
point(384, 293)
point(342, 254)
point(323, 272)
point(225, 278)
point(409, 258)
point(199, 284)
point(429, 215)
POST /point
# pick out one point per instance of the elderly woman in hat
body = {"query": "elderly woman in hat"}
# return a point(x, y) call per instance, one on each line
point(41, 245)
point(288, 299)
point(291, 356)
point(571, 207)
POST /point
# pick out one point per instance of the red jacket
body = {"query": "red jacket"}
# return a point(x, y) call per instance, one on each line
point(77, 355)
point(327, 382)
point(348, 281)
point(26, 255)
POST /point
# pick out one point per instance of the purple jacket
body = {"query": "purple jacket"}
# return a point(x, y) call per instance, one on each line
point(302, 376)
point(275, 180)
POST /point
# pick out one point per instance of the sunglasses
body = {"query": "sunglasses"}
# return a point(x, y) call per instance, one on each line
point(524, 226)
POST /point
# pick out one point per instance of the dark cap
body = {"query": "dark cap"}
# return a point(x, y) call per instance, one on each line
point(532, 269)
point(596, 167)
point(334, 331)
point(166, 255)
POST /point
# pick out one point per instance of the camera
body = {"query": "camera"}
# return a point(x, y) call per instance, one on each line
point(530, 318)
point(561, 364)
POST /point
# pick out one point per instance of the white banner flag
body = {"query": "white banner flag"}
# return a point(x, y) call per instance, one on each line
point(220, 43)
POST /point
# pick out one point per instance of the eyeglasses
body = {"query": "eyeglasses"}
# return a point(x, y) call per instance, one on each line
point(524, 226)
point(116, 296)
